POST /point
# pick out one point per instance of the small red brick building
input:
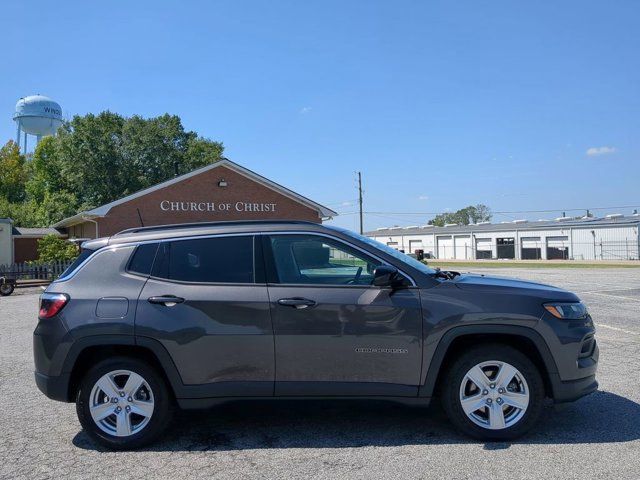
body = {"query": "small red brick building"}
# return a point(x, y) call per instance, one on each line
point(25, 242)
point(221, 191)
point(20, 244)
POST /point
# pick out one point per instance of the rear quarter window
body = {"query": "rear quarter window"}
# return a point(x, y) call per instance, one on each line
point(84, 254)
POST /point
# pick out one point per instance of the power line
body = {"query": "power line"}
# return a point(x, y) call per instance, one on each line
point(508, 212)
point(344, 203)
point(401, 220)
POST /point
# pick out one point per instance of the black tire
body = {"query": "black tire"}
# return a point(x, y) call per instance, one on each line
point(6, 289)
point(452, 381)
point(162, 409)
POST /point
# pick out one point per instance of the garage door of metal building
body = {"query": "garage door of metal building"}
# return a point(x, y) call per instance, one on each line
point(483, 248)
point(558, 248)
point(445, 247)
point(531, 248)
point(414, 245)
point(462, 247)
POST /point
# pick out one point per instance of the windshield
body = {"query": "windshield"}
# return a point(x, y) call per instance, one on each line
point(403, 257)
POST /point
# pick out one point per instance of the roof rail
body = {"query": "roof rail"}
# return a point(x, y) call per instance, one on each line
point(175, 226)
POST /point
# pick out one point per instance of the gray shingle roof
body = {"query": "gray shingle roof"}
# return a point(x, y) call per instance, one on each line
point(35, 231)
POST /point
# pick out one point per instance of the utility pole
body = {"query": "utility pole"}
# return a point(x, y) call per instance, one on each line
point(360, 200)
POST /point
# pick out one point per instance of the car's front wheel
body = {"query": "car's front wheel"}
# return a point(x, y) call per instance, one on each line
point(493, 392)
point(123, 403)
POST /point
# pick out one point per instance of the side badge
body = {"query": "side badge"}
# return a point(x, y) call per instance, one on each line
point(381, 350)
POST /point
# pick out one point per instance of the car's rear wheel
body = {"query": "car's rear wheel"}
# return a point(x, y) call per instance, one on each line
point(122, 403)
point(493, 392)
point(6, 289)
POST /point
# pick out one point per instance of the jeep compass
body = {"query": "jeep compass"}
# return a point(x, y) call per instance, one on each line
point(192, 315)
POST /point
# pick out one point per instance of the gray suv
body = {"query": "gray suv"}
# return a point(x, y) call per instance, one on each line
point(194, 315)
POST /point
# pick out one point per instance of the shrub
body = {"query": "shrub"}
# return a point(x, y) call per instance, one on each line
point(52, 248)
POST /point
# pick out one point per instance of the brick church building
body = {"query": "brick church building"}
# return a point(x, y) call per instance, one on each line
point(221, 191)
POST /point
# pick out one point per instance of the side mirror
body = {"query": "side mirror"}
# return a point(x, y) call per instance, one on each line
point(386, 276)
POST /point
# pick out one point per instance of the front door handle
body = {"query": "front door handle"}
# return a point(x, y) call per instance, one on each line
point(296, 302)
point(166, 300)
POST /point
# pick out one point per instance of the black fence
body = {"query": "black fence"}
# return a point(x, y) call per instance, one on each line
point(33, 271)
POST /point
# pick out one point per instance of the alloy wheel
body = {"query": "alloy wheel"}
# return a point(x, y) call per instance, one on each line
point(121, 403)
point(494, 395)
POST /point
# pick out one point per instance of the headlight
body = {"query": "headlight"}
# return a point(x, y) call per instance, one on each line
point(567, 311)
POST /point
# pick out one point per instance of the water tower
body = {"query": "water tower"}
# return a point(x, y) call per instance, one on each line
point(37, 115)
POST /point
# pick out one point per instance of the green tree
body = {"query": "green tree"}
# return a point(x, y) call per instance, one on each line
point(94, 160)
point(13, 175)
point(464, 216)
point(107, 156)
point(47, 173)
point(23, 214)
point(55, 206)
point(52, 248)
point(201, 152)
point(90, 153)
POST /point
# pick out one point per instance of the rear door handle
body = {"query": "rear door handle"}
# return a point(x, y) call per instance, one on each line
point(296, 302)
point(166, 300)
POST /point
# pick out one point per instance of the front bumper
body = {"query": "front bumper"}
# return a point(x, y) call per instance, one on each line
point(572, 390)
point(55, 387)
point(575, 353)
point(586, 364)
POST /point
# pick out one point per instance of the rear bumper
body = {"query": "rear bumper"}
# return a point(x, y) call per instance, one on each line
point(55, 387)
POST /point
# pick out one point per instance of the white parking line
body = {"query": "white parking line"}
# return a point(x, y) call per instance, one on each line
point(611, 290)
point(619, 297)
point(601, 325)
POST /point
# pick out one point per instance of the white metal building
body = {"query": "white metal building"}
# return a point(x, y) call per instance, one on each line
point(614, 237)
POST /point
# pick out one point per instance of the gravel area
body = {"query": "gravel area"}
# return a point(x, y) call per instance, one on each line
point(595, 437)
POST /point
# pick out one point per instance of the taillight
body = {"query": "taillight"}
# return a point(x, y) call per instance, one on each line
point(51, 304)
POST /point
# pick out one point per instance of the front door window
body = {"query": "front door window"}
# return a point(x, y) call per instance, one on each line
point(314, 260)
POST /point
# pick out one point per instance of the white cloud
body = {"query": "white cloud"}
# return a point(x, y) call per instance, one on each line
point(597, 151)
point(423, 197)
point(304, 110)
point(346, 204)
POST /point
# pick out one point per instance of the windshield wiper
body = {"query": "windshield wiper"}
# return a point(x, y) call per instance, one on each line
point(446, 274)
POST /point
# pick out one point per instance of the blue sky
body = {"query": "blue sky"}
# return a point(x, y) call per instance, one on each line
point(441, 104)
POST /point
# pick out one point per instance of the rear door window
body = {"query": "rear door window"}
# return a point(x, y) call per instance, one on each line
point(142, 259)
point(207, 260)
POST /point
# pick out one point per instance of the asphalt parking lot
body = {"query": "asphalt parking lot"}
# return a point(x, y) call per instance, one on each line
point(596, 437)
